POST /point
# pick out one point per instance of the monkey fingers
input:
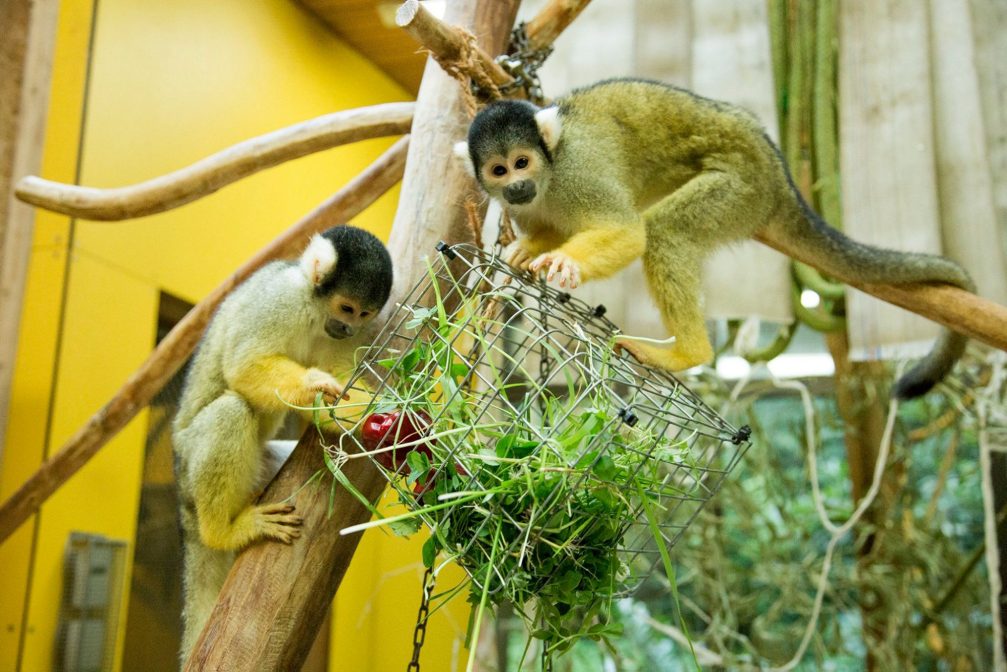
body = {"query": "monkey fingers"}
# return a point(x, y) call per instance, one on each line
point(519, 258)
point(563, 265)
point(316, 380)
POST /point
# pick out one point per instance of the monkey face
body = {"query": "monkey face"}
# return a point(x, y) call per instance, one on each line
point(513, 177)
point(347, 315)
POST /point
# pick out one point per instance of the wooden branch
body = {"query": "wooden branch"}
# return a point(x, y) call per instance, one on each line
point(218, 170)
point(172, 352)
point(447, 43)
point(955, 308)
point(276, 596)
point(553, 20)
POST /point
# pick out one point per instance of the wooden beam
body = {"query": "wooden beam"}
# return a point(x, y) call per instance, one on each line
point(275, 598)
point(26, 50)
point(955, 308)
point(218, 170)
point(176, 347)
point(277, 595)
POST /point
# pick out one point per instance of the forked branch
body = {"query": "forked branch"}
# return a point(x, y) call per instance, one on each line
point(218, 170)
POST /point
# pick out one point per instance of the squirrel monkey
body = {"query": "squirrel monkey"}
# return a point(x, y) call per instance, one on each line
point(626, 168)
point(272, 342)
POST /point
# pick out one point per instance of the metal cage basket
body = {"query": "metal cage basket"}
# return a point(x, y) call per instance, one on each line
point(544, 463)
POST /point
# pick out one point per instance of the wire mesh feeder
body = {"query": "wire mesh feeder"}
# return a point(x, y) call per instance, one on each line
point(556, 472)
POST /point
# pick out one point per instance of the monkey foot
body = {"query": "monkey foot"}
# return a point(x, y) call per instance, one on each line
point(557, 264)
point(671, 359)
point(277, 521)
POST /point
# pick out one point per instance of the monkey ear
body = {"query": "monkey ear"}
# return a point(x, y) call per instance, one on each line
point(319, 259)
point(461, 152)
point(549, 126)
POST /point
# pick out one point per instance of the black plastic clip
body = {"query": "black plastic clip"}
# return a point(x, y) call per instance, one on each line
point(628, 417)
point(741, 435)
point(446, 250)
point(564, 297)
point(600, 310)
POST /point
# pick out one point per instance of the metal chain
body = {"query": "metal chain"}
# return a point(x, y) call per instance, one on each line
point(420, 633)
point(522, 63)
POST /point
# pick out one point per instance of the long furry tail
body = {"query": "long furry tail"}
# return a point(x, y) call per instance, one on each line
point(841, 256)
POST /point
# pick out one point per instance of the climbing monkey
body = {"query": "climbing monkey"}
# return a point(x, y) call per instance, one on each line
point(272, 344)
point(630, 168)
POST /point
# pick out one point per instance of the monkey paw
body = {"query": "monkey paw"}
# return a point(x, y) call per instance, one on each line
point(556, 264)
point(659, 358)
point(277, 521)
point(315, 381)
point(520, 258)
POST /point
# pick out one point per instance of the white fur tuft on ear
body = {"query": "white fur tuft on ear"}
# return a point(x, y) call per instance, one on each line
point(318, 259)
point(549, 126)
point(461, 151)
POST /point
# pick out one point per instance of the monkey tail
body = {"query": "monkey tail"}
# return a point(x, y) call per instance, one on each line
point(839, 255)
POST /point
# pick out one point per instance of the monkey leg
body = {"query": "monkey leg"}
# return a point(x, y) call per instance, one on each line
point(675, 287)
point(224, 461)
point(713, 208)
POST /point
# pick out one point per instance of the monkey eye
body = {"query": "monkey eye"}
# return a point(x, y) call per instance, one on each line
point(522, 162)
point(365, 313)
point(499, 170)
point(346, 308)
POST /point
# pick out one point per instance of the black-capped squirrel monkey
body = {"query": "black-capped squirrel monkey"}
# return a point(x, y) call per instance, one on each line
point(274, 342)
point(626, 168)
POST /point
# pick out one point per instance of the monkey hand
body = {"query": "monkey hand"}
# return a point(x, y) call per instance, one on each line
point(520, 257)
point(557, 264)
point(315, 381)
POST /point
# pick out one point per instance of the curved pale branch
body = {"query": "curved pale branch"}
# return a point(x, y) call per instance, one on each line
point(173, 350)
point(218, 170)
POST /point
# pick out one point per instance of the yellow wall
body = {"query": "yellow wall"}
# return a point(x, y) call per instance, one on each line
point(171, 82)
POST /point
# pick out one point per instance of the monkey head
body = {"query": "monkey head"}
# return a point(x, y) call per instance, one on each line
point(350, 273)
point(510, 149)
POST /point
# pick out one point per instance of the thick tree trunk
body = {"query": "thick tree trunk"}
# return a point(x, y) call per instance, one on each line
point(276, 596)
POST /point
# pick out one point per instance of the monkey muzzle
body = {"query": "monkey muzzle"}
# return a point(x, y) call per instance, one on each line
point(519, 193)
point(337, 329)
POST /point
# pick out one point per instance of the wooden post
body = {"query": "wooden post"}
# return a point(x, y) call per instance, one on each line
point(29, 36)
point(276, 596)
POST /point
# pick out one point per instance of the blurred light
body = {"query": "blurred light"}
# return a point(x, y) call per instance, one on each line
point(810, 299)
point(807, 365)
point(732, 367)
point(818, 365)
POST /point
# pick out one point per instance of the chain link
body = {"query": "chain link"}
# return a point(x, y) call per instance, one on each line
point(522, 63)
point(420, 633)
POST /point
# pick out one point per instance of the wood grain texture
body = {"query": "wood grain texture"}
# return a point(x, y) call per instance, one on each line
point(547, 25)
point(887, 160)
point(277, 595)
point(176, 347)
point(218, 170)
